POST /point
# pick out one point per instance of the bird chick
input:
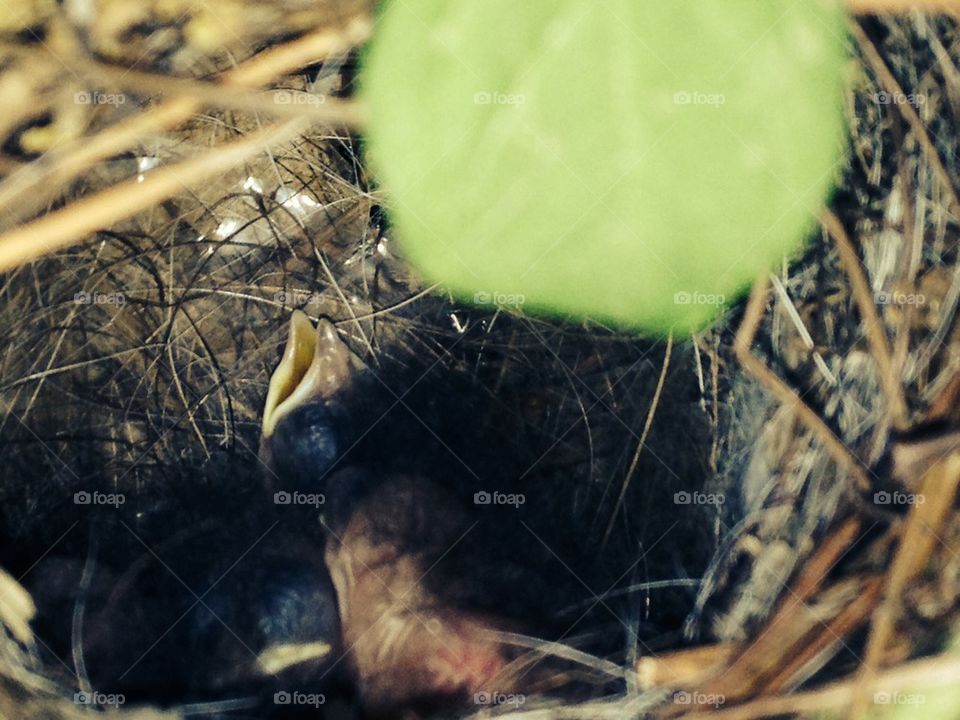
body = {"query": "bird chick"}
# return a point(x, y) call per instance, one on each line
point(301, 433)
point(215, 612)
point(404, 646)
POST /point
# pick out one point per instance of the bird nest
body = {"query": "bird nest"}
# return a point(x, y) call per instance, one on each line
point(755, 521)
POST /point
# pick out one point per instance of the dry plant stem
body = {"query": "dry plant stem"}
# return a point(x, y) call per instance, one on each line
point(545, 648)
point(19, 195)
point(876, 334)
point(942, 671)
point(715, 402)
point(910, 262)
point(651, 413)
point(920, 534)
point(784, 633)
point(889, 83)
point(60, 166)
point(84, 217)
point(833, 634)
point(944, 404)
point(831, 551)
point(872, 7)
point(333, 111)
point(320, 45)
point(16, 608)
point(683, 668)
point(783, 392)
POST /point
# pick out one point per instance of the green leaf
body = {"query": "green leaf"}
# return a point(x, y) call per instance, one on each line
point(635, 161)
point(935, 703)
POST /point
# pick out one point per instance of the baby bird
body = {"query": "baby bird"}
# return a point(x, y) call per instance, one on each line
point(403, 646)
point(217, 612)
point(301, 434)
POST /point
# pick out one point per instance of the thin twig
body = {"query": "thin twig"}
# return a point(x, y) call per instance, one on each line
point(546, 648)
point(801, 329)
point(277, 102)
point(787, 396)
point(785, 633)
point(818, 650)
point(939, 488)
point(21, 194)
point(889, 83)
point(79, 611)
point(16, 608)
point(651, 413)
point(876, 334)
point(910, 259)
point(80, 219)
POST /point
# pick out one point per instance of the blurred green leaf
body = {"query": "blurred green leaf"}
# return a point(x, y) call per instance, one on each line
point(636, 161)
point(941, 703)
point(936, 702)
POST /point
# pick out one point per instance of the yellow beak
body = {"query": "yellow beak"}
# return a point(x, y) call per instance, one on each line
point(315, 365)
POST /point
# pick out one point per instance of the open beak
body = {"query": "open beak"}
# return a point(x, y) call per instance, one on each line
point(316, 364)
